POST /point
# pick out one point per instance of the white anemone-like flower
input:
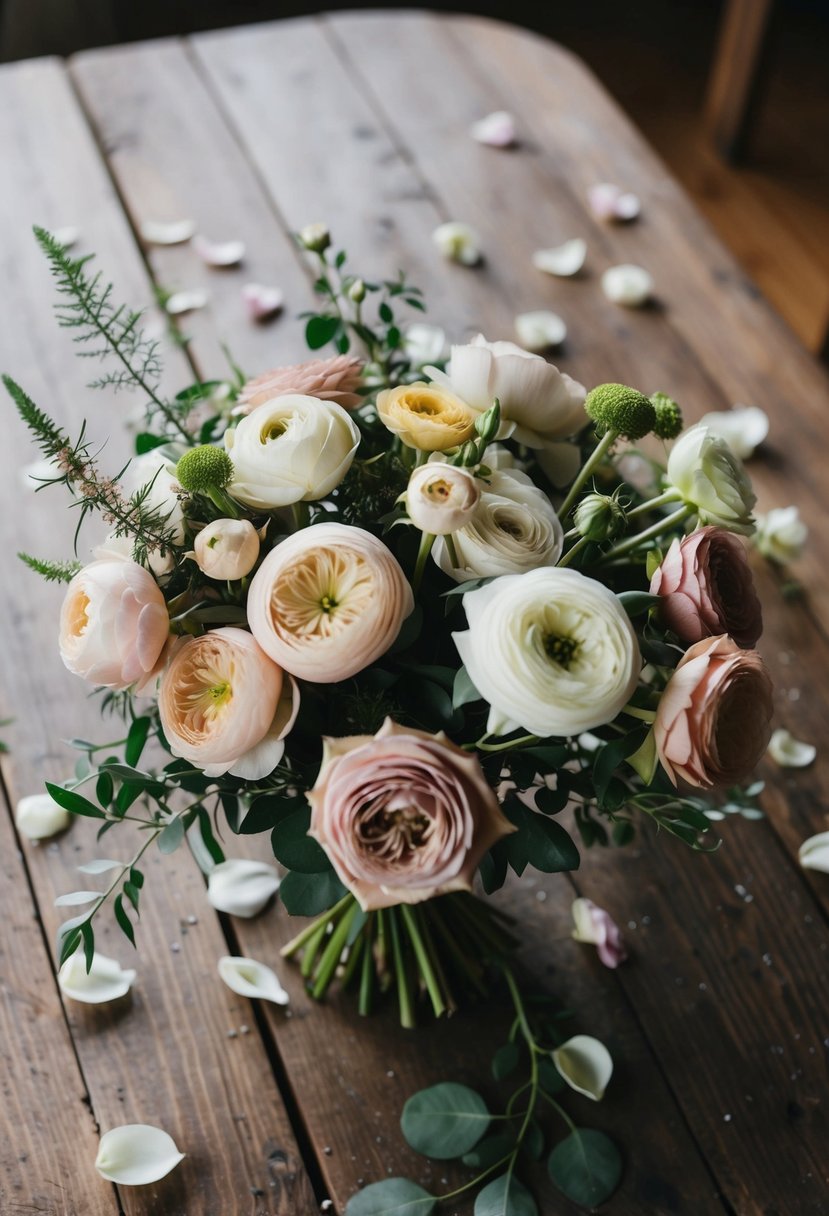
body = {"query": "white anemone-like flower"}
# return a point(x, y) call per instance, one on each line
point(585, 1064)
point(247, 977)
point(136, 1155)
point(241, 886)
point(105, 981)
point(38, 817)
point(743, 428)
point(553, 652)
point(781, 534)
point(712, 480)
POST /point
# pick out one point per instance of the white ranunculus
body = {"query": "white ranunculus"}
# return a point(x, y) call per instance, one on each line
point(38, 817)
point(514, 528)
point(242, 887)
point(136, 1155)
point(539, 404)
point(553, 652)
point(105, 981)
point(441, 498)
point(227, 549)
point(292, 449)
point(781, 534)
point(712, 480)
point(743, 428)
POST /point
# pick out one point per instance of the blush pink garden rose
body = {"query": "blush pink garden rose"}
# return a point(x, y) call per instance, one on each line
point(224, 705)
point(713, 721)
point(706, 587)
point(403, 815)
point(333, 379)
point(114, 624)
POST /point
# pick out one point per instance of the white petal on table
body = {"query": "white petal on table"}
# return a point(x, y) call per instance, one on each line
point(743, 428)
point(458, 243)
point(564, 260)
point(219, 253)
point(242, 887)
point(185, 301)
point(38, 817)
point(609, 202)
point(538, 331)
point(247, 977)
point(814, 853)
point(136, 1154)
point(497, 130)
point(585, 1064)
point(175, 232)
point(262, 302)
point(627, 284)
point(106, 980)
point(789, 752)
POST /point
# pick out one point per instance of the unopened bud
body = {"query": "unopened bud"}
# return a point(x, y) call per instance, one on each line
point(668, 416)
point(204, 469)
point(599, 517)
point(315, 237)
point(357, 291)
point(488, 424)
point(616, 407)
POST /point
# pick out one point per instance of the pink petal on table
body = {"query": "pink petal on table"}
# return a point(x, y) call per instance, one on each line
point(598, 928)
point(497, 130)
point(174, 232)
point(609, 202)
point(219, 253)
point(261, 302)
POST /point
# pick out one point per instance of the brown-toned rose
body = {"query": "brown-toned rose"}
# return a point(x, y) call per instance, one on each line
point(403, 815)
point(333, 379)
point(706, 588)
point(713, 721)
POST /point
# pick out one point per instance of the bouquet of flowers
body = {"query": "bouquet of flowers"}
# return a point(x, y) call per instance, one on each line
point(400, 617)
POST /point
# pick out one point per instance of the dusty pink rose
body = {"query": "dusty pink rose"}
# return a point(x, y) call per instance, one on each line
point(598, 928)
point(403, 815)
point(713, 722)
point(333, 379)
point(113, 624)
point(706, 587)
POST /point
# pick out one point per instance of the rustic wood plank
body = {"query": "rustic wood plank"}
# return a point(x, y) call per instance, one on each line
point(733, 83)
point(163, 1058)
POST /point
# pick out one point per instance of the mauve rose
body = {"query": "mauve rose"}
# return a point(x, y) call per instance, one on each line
point(403, 815)
point(713, 722)
point(706, 588)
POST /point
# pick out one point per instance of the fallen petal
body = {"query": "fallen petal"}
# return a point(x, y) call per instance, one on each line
point(67, 236)
point(497, 130)
point(538, 331)
point(743, 428)
point(241, 887)
point(458, 243)
point(598, 928)
point(262, 302)
point(627, 284)
point(814, 853)
point(789, 752)
point(38, 817)
point(136, 1154)
point(174, 233)
point(609, 202)
point(585, 1064)
point(185, 301)
point(564, 260)
point(252, 979)
point(106, 980)
point(219, 253)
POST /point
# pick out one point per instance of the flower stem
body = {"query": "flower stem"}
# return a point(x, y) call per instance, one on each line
point(404, 993)
point(662, 525)
point(224, 502)
point(597, 456)
point(500, 747)
point(331, 953)
point(426, 542)
point(567, 557)
point(451, 550)
point(423, 961)
point(653, 504)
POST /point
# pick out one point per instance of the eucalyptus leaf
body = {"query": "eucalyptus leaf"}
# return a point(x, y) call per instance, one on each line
point(586, 1166)
point(444, 1121)
point(99, 865)
point(505, 1196)
point(294, 848)
point(489, 1151)
point(391, 1197)
point(310, 894)
point(505, 1061)
point(172, 836)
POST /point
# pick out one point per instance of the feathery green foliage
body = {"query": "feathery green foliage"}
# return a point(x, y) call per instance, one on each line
point(53, 572)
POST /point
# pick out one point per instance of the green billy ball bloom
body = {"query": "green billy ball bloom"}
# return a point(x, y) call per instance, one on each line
point(668, 416)
point(599, 516)
point(615, 407)
point(204, 469)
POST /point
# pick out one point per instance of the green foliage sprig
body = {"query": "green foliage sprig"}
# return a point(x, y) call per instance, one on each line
point(53, 572)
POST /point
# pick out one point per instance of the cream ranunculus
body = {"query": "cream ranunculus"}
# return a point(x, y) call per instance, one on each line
point(551, 651)
point(227, 549)
point(712, 480)
point(441, 498)
point(327, 602)
point(219, 703)
point(113, 624)
point(426, 416)
point(514, 529)
point(540, 404)
point(291, 449)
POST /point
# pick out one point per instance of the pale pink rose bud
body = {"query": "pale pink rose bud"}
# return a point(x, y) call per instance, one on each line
point(440, 498)
point(227, 549)
point(707, 588)
point(713, 721)
point(113, 624)
point(598, 928)
point(335, 379)
point(327, 602)
point(403, 815)
point(219, 701)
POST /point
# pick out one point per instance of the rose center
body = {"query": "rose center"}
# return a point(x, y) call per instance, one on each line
point(561, 649)
point(394, 833)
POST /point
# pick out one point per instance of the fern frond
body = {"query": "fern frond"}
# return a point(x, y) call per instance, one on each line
point(53, 572)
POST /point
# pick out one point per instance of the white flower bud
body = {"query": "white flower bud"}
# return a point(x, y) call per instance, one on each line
point(38, 817)
point(227, 549)
point(712, 480)
point(315, 237)
point(357, 291)
point(441, 498)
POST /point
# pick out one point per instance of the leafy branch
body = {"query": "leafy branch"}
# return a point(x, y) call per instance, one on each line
point(53, 572)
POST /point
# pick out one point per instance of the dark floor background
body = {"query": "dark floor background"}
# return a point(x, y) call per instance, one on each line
point(653, 55)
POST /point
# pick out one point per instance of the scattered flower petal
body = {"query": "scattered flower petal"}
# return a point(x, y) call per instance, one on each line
point(242, 887)
point(219, 253)
point(67, 236)
point(538, 331)
point(781, 534)
point(814, 853)
point(424, 344)
point(585, 1064)
point(38, 817)
point(458, 243)
point(627, 284)
point(136, 1155)
point(789, 752)
point(249, 978)
point(262, 302)
point(497, 130)
point(743, 428)
point(564, 260)
point(598, 928)
point(106, 980)
point(609, 202)
point(174, 233)
point(185, 301)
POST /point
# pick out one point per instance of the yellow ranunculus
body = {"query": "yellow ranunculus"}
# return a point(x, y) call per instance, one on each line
point(426, 416)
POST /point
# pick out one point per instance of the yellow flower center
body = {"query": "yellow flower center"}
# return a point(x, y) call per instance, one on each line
point(79, 614)
point(439, 488)
point(321, 594)
point(205, 690)
point(273, 429)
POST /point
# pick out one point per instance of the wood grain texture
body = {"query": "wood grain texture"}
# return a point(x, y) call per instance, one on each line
point(734, 72)
point(162, 1056)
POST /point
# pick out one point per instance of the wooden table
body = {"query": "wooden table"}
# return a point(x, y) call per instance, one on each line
point(720, 1022)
